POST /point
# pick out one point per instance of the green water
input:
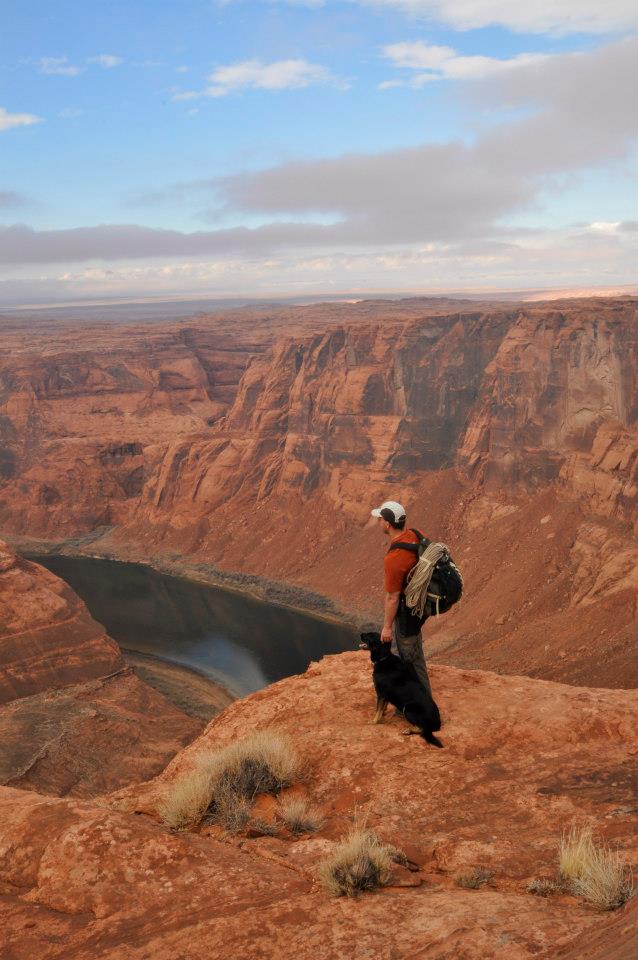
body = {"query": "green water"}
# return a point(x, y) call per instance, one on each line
point(238, 641)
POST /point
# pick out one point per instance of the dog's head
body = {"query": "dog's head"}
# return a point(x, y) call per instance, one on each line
point(373, 643)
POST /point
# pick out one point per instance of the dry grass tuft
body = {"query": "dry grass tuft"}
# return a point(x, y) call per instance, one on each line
point(186, 800)
point(265, 762)
point(227, 780)
point(594, 871)
point(574, 852)
point(396, 855)
point(232, 812)
point(360, 862)
point(298, 816)
point(474, 880)
point(542, 887)
point(264, 827)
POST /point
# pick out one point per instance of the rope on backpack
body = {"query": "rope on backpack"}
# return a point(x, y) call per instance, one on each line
point(416, 591)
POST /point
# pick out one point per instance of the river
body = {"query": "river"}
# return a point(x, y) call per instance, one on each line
point(238, 641)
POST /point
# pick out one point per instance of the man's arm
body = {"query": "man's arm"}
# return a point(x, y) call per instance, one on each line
point(391, 606)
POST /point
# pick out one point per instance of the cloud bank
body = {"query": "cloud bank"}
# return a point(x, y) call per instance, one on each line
point(543, 16)
point(435, 210)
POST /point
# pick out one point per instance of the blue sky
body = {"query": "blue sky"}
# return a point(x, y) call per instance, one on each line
point(324, 146)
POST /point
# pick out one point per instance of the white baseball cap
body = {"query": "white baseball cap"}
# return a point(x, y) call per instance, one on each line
point(397, 511)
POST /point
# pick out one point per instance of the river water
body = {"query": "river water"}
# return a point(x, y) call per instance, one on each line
point(238, 641)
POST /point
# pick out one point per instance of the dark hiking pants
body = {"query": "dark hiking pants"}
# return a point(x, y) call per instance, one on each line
point(410, 649)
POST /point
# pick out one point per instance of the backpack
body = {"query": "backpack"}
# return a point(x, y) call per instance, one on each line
point(444, 587)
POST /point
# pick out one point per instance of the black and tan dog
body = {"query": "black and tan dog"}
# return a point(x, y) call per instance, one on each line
point(396, 682)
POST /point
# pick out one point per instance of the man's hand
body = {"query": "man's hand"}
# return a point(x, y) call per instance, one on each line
point(386, 635)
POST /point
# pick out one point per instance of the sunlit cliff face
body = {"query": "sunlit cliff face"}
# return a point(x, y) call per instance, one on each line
point(483, 420)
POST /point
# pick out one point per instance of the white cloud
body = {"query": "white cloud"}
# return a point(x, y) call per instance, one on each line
point(8, 120)
point(62, 67)
point(418, 55)
point(70, 113)
point(603, 226)
point(59, 66)
point(106, 60)
point(541, 16)
point(256, 75)
point(444, 63)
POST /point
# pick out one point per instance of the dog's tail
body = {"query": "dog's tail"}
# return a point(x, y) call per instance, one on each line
point(431, 739)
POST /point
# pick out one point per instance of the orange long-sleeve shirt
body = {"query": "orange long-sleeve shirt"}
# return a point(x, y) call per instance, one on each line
point(398, 563)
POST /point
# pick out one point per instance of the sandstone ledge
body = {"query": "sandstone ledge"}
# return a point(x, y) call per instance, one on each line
point(523, 759)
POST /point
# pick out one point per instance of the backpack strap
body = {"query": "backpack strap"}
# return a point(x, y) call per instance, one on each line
point(412, 547)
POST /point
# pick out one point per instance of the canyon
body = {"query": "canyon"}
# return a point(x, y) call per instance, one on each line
point(247, 448)
point(74, 718)
point(252, 444)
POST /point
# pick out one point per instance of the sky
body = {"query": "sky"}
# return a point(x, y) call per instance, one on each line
point(294, 147)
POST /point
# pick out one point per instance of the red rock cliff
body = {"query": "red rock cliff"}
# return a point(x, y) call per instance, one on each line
point(73, 718)
point(258, 441)
point(47, 637)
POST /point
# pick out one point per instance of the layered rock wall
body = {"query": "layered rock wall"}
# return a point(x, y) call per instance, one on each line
point(47, 638)
point(258, 441)
point(73, 718)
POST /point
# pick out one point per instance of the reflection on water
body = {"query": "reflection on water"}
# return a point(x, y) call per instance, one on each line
point(242, 643)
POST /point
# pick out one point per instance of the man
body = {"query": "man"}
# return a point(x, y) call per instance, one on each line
point(397, 565)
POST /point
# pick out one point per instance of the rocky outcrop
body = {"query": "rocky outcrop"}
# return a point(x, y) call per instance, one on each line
point(559, 403)
point(522, 761)
point(256, 441)
point(48, 640)
point(73, 718)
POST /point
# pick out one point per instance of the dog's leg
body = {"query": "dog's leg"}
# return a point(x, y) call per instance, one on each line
point(381, 708)
point(413, 718)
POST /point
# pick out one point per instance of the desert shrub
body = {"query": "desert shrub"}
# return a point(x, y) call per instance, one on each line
point(262, 763)
point(186, 800)
point(360, 862)
point(542, 887)
point(474, 880)
point(594, 871)
point(226, 780)
point(232, 812)
point(396, 855)
point(264, 827)
point(574, 852)
point(298, 816)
